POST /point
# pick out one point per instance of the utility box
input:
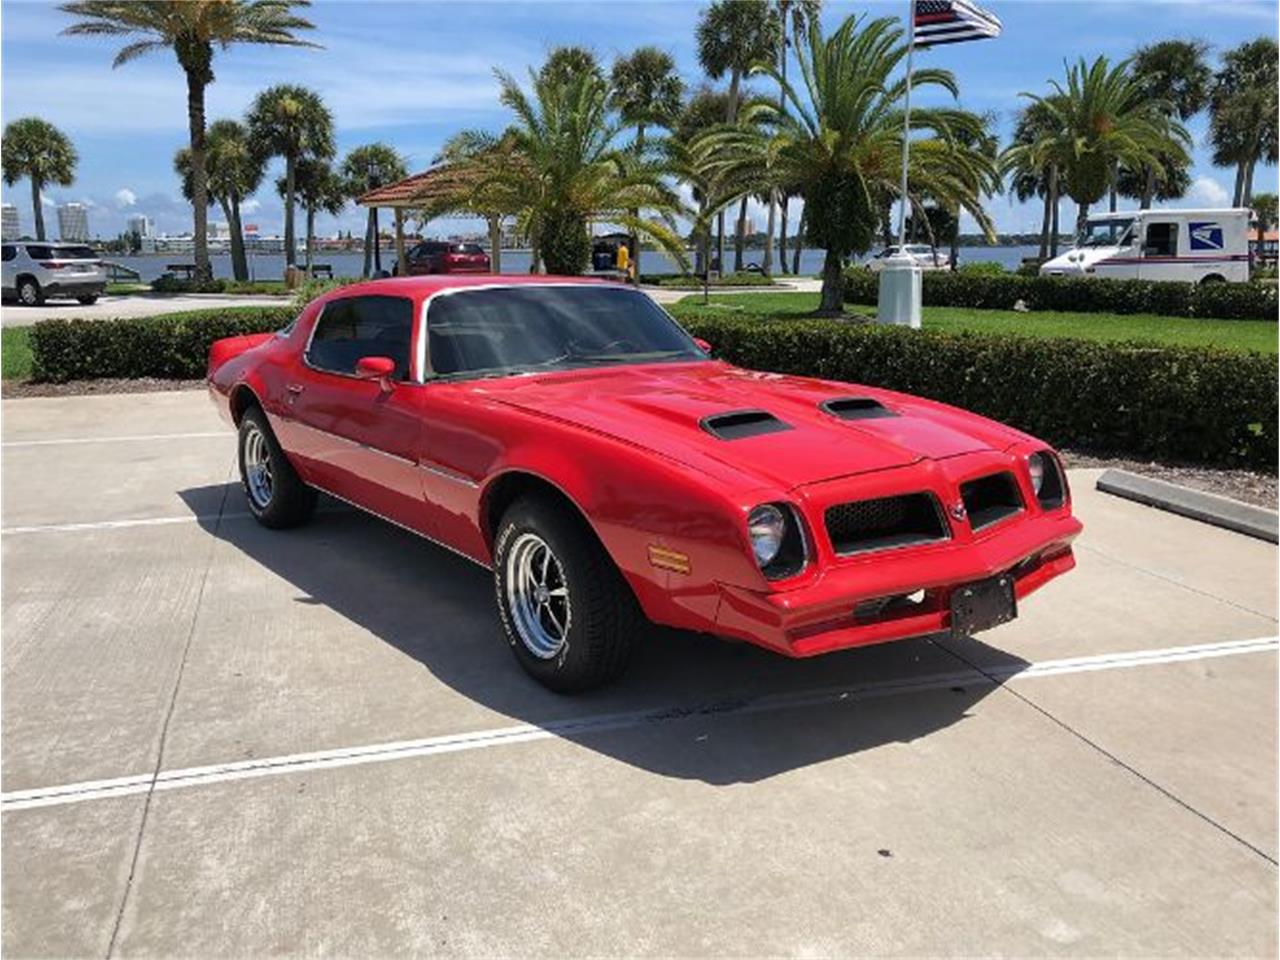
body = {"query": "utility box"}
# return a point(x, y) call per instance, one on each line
point(900, 294)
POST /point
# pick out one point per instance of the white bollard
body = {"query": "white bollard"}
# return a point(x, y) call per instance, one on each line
point(900, 296)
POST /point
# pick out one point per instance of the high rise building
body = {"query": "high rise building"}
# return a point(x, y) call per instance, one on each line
point(142, 225)
point(10, 227)
point(73, 221)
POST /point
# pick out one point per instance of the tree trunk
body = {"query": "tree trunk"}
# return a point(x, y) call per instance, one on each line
point(199, 176)
point(634, 239)
point(239, 265)
point(740, 236)
point(37, 207)
point(718, 265)
point(767, 265)
point(377, 244)
point(1149, 189)
point(290, 186)
point(832, 284)
point(1046, 224)
point(311, 230)
point(495, 244)
point(731, 115)
point(370, 237)
point(1239, 188)
point(1053, 232)
point(795, 261)
point(1082, 218)
point(1246, 196)
point(782, 238)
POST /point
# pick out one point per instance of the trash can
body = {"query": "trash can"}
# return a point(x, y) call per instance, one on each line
point(900, 294)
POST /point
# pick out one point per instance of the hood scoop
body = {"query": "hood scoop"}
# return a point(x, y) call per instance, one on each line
point(856, 408)
point(739, 424)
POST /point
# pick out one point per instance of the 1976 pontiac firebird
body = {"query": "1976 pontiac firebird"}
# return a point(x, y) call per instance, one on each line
point(570, 435)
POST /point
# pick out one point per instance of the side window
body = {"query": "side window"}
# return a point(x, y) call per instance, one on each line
point(1162, 240)
point(10, 252)
point(356, 327)
point(40, 252)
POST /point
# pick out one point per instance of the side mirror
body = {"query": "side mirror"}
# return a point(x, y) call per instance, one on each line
point(703, 345)
point(376, 368)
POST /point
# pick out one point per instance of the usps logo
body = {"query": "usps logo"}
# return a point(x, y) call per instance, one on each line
point(1206, 236)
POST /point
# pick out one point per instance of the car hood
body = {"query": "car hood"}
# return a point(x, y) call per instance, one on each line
point(665, 408)
point(1076, 259)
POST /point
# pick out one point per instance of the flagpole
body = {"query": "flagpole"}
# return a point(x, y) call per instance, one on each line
point(906, 124)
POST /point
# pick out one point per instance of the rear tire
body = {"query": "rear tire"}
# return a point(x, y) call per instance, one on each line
point(569, 617)
point(276, 494)
point(88, 299)
point(29, 292)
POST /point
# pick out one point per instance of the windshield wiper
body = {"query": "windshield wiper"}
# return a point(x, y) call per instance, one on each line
point(627, 357)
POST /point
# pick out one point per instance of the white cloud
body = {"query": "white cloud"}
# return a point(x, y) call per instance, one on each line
point(126, 197)
point(250, 205)
point(1206, 192)
point(46, 200)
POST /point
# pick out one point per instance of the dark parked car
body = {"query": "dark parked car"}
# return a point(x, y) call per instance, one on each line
point(439, 256)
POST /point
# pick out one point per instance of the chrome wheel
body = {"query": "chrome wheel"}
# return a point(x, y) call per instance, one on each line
point(257, 467)
point(537, 596)
point(29, 293)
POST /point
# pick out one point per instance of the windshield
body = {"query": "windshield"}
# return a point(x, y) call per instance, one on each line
point(521, 329)
point(1105, 233)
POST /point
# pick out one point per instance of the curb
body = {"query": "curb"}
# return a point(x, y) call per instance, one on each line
point(1206, 507)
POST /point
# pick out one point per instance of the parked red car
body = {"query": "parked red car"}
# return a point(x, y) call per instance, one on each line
point(438, 256)
point(570, 435)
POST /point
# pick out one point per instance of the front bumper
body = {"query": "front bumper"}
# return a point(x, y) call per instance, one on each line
point(839, 609)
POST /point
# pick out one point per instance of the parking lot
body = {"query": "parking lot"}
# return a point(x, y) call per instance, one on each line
point(219, 739)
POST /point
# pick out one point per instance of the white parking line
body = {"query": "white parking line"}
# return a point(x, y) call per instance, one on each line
point(121, 524)
point(524, 733)
point(131, 438)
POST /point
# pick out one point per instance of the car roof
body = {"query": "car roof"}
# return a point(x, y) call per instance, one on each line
point(426, 286)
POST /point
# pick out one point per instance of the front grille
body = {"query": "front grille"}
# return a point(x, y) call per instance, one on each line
point(990, 499)
point(884, 523)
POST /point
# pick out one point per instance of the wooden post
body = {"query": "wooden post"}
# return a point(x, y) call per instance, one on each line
point(401, 262)
point(495, 245)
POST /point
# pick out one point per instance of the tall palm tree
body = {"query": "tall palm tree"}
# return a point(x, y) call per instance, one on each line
point(291, 122)
point(191, 29)
point(565, 63)
point(647, 92)
point(38, 150)
point(1100, 120)
point(1033, 161)
point(733, 36)
point(1173, 72)
point(841, 141)
point(562, 167)
point(234, 170)
point(318, 187)
point(1243, 112)
point(367, 168)
point(794, 17)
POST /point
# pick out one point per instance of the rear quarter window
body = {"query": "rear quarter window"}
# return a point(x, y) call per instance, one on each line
point(39, 252)
point(74, 253)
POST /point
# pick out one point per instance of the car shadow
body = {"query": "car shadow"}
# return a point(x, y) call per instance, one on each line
point(690, 706)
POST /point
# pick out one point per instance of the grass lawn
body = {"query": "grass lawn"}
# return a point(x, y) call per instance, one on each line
point(15, 353)
point(1259, 335)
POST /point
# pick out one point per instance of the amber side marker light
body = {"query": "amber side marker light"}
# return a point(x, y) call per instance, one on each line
point(672, 560)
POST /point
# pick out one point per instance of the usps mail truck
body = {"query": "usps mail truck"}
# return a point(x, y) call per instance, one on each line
point(1196, 246)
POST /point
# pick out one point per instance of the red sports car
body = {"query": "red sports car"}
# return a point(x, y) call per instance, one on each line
point(570, 435)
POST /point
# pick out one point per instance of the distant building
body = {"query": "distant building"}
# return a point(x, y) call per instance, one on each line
point(216, 230)
point(73, 222)
point(10, 227)
point(142, 225)
point(747, 226)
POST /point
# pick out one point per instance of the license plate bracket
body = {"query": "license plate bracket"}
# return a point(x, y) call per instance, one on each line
point(982, 605)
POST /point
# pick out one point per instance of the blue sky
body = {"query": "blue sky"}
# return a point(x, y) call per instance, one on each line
point(412, 73)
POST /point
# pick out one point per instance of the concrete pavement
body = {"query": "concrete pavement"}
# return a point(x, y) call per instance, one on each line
point(222, 740)
point(131, 305)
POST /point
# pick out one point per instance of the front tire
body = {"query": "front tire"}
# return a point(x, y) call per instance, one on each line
point(569, 617)
point(277, 496)
point(29, 292)
point(89, 299)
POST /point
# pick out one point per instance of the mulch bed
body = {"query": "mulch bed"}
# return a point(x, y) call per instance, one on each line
point(1259, 489)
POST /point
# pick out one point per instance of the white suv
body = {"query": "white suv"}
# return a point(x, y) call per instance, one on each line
point(33, 271)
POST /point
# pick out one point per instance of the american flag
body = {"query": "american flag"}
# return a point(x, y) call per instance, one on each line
point(952, 21)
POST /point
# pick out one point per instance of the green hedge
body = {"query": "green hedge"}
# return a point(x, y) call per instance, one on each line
point(170, 283)
point(172, 345)
point(1181, 403)
point(1223, 301)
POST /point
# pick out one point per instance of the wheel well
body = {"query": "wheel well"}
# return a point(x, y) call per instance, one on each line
point(242, 398)
point(25, 276)
point(509, 488)
point(1213, 278)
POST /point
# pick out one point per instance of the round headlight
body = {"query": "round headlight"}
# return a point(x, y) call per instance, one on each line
point(767, 527)
point(1036, 465)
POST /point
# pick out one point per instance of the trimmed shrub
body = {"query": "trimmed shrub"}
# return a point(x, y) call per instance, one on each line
point(1182, 403)
point(170, 346)
point(982, 268)
point(169, 283)
point(688, 281)
point(1225, 301)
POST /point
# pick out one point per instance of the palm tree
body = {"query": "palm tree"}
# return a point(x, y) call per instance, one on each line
point(291, 122)
point(646, 93)
point(191, 29)
point(733, 36)
point(1100, 120)
point(565, 63)
point(1264, 208)
point(1243, 112)
point(794, 17)
point(841, 143)
point(562, 167)
point(318, 187)
point(1032, 161)
point(367, 168)
point(37, 150)
point(233, 171)
point(1174, 73)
